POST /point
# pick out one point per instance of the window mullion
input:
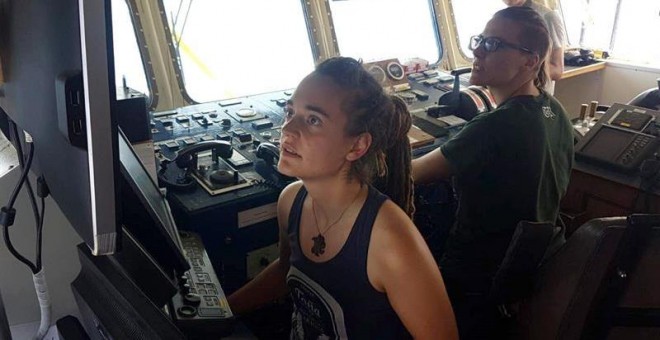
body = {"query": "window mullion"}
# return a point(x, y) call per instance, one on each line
point(615, 24)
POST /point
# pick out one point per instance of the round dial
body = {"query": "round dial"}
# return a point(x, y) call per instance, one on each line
point(378, 73)
point(246, 112)
point(395, 70)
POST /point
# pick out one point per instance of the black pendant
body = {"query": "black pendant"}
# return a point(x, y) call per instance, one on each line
point(319, 245)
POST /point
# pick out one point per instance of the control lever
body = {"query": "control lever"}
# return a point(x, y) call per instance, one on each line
point(186, 160)
point(451, 101)
point(466, 103)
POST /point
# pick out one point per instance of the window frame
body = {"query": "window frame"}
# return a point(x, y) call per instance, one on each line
point(152, 99)
point(464, 60)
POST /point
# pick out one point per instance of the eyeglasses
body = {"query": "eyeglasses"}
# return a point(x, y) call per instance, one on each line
point(491, 44)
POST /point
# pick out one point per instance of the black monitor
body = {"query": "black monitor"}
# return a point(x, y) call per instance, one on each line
point(123, 296)
point(146, 215)
point(59, 86)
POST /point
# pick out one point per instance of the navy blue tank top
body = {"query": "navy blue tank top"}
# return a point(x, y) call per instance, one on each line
point(334, 299)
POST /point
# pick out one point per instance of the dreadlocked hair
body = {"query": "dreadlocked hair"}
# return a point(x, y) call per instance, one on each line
point(533, 35)
point(387, 163)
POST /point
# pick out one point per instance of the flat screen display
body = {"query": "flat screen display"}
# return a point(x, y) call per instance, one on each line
point(146, 213)
point(607, 144)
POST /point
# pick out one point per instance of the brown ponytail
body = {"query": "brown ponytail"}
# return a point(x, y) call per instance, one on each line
point(542, 76)
point(396, 181)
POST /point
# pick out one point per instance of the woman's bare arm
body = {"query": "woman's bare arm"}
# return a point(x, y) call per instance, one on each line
point(401, 265)
point(270, 284)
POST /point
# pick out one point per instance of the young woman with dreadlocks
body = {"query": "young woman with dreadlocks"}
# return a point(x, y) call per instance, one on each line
point(351, 258)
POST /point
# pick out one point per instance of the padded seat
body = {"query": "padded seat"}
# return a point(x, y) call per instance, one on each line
point(569, 290)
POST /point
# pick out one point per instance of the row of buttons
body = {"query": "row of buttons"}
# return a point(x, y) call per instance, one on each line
point(635, 147)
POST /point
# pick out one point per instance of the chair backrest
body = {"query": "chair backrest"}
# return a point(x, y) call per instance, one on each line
point(638, 316)
point(515, 276)
point(571, 285)
point(649, 99)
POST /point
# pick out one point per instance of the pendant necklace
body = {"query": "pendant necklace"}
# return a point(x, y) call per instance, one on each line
point(319, 240)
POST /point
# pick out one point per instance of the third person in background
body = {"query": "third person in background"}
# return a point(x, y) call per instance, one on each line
point(557, 33)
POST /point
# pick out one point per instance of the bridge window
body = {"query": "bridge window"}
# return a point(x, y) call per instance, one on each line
point(384, 29)
point(471, 19)
point(128, 63)
point(627, 29)
point(229, 49)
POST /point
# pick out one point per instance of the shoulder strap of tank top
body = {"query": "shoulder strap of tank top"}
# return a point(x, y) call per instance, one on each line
point(365, 221)
point(296, 210)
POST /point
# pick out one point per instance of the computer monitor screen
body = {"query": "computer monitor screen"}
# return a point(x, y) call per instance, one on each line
point(608, 143)
point(122, 295)
point(146, 213)
point(59, 87)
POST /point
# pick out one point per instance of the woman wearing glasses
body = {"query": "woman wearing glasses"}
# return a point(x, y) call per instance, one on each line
point(510, 164)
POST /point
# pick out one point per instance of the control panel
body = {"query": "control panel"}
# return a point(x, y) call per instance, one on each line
point(244, 122)
point(622, 139)
point(200, 308)
point(233, 201)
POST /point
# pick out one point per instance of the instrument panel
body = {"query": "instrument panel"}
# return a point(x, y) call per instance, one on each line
point(246, 122)
point(233, 204)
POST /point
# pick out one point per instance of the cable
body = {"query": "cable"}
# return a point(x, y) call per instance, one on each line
point(33, 202)
point(8, 212)
point(5, 331)
point(40, 228)
point(39, 279)
point(41, 288)
point(7, 219)
point(26, 168)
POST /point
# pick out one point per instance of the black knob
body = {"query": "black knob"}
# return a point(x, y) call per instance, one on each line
point(187, 311)
point(222, 177)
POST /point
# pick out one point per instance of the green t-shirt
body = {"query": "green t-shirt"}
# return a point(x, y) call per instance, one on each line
point(510, 164)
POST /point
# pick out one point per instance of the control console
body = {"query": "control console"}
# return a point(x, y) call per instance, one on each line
point(231, 199)
point(622, 139)
point(200, 309)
